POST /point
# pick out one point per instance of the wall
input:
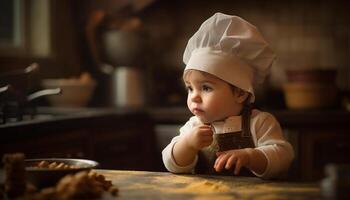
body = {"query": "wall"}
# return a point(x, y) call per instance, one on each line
point(304, 34)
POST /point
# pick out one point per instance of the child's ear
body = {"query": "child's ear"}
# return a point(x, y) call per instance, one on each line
point(241, 95)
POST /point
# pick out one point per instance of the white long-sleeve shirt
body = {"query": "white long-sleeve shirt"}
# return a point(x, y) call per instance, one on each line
point(266, 134)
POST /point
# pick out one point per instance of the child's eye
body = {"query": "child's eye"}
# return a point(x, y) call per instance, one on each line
point(189, 88)
point(206, 88)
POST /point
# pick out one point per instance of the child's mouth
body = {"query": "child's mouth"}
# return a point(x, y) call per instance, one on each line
point(197, 111)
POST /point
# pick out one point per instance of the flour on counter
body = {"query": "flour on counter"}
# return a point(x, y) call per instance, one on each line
point(205, 187)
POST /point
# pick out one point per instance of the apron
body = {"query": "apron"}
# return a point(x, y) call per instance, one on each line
point(223, 142)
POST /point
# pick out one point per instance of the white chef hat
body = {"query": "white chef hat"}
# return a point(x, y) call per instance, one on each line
point(232, 49)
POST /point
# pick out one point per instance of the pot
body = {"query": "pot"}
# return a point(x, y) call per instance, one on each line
point(19, 79)
point(16, 85)
point(15, 98)
point(14, 106)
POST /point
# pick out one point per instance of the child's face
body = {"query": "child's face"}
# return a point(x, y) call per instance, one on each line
point(210, 98)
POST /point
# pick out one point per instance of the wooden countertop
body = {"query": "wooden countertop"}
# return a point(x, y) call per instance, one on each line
point(163, 185)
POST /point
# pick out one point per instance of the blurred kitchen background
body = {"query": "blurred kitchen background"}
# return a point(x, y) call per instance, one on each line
point(130, 53)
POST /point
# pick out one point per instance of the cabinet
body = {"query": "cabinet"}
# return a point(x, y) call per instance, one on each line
point(317, 149)
point(115, 140)
point(129, 146)
point(319, 138)
point(71, 144)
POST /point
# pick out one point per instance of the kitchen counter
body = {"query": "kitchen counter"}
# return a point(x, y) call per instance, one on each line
point(176, 115)
point(163, 185)
point(107, 133)
point(51, 119)
point(47, 115)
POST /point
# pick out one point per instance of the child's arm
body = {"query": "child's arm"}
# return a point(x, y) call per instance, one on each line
point(182, 151)
point(271, 142)
point(187, 147)
point(270, 158)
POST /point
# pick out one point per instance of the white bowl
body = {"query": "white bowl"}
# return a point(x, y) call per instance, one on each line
point(74, 93)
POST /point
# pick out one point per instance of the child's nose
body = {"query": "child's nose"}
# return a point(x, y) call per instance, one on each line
point(195, 96)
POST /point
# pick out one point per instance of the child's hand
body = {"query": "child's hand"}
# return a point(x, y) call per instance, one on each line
point(233, 159)
point(201, 136)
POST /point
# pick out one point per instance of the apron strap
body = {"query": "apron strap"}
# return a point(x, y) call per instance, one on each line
point(246, 114)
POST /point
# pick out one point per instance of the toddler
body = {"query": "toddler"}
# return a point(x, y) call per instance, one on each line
point(224, 59)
